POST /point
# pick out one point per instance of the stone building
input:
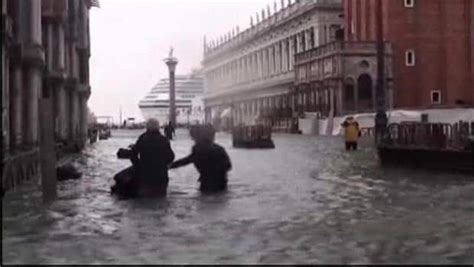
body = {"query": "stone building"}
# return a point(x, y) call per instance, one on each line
point(429, 57)
point(250, 74)
point(45, 54)
point(340, 78)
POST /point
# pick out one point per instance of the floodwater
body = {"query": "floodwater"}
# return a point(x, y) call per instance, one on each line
point(307, 201)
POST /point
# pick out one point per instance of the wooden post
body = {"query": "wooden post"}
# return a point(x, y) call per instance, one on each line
point(47, 150)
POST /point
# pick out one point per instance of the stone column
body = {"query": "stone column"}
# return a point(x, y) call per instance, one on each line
point(255, 65)
point(33, 87)
point(298, 43)
point(268, 64)
point(16, 108)
point(278, 57)
point(61, 46)
point(83, 117)
point(290, 56)
point(5, 95)
point(283, 55)
point(307, 39)
point(50, 49)
point(71, 114)
point(258, 65)
point(471, 48)
point(62, 111)
point(34, 61)
point(32, 28)
point(271, 61)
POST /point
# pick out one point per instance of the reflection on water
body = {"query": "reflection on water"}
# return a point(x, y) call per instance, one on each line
point(307, 201)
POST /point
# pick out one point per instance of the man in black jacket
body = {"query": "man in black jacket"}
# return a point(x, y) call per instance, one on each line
point(169, 131)
point(210, 159)
point(151, 156)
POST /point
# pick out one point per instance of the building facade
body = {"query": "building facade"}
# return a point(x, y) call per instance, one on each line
point(432, 43)
point(339, 78)
point(45, 54)
point(250, 74)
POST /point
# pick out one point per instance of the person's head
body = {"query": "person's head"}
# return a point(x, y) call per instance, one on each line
point(152, 125)
point(350, 118)
point(202, 133)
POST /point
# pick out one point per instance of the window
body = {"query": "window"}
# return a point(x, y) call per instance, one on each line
point(409, 3)
point(410, 58)
point(436, 97)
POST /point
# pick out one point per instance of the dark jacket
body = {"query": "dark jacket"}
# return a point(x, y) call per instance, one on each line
point(169, 131)
point(151, 156)
point(212, 162)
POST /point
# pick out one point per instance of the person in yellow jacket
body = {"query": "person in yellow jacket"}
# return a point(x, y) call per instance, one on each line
point(351, 133)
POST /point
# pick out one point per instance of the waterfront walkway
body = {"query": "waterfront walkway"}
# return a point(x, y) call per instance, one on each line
point(307, 201)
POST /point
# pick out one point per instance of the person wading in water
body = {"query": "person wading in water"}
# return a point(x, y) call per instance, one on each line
point(210, 159)
point(151, 156)
point(351, 133)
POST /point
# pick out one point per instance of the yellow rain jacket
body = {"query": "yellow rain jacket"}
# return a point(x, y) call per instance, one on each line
point(351, 131)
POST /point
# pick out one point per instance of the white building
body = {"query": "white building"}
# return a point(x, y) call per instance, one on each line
point(252, 72)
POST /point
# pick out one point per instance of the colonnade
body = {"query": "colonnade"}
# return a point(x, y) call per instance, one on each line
point(46, 53)
point(267, 61)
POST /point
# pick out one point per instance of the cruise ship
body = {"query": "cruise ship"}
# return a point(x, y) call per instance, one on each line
point(189, 90)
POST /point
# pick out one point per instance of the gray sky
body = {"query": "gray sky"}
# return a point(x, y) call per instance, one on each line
point(130, 38)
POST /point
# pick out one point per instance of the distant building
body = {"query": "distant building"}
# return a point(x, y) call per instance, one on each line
point(250, 74)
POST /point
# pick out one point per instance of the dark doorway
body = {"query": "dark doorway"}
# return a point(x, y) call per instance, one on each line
point(340, 35)
point(349, 104)
point(364, 85)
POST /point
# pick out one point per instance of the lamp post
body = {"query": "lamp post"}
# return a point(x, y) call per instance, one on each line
point(171, 62)
point(381, 116)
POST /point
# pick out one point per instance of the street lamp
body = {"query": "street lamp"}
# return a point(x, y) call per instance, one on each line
point(171, 62)
point(381, 116)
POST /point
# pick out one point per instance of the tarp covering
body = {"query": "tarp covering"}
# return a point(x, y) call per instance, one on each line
point(367, 120)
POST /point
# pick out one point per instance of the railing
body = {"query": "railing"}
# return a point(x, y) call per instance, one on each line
point(19, 167)
point(430, 135)
point(336, 46)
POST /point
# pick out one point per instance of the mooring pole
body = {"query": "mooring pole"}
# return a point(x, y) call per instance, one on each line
point(381, 116)
point(47, 148)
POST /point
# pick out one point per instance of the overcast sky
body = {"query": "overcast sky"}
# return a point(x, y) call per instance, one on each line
point(130, 38)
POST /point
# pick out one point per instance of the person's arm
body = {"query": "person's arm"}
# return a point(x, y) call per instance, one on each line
point(135, 151)
point(183, 162)
point(169, 153)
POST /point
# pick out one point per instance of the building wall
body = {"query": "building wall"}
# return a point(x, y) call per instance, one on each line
point(45, 50)
point(440, 33)
point(259, 62)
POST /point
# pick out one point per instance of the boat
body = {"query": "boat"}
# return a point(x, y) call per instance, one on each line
point(189, 93)
point(254, 136)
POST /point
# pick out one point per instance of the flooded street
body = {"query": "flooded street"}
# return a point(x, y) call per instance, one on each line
point(307, 201)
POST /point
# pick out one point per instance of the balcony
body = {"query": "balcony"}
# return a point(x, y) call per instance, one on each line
point(335, 60)
point(253, 85)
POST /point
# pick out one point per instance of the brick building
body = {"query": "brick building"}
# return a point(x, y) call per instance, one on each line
point(432, 43)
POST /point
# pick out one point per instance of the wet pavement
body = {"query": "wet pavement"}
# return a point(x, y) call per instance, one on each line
point(307, 201)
